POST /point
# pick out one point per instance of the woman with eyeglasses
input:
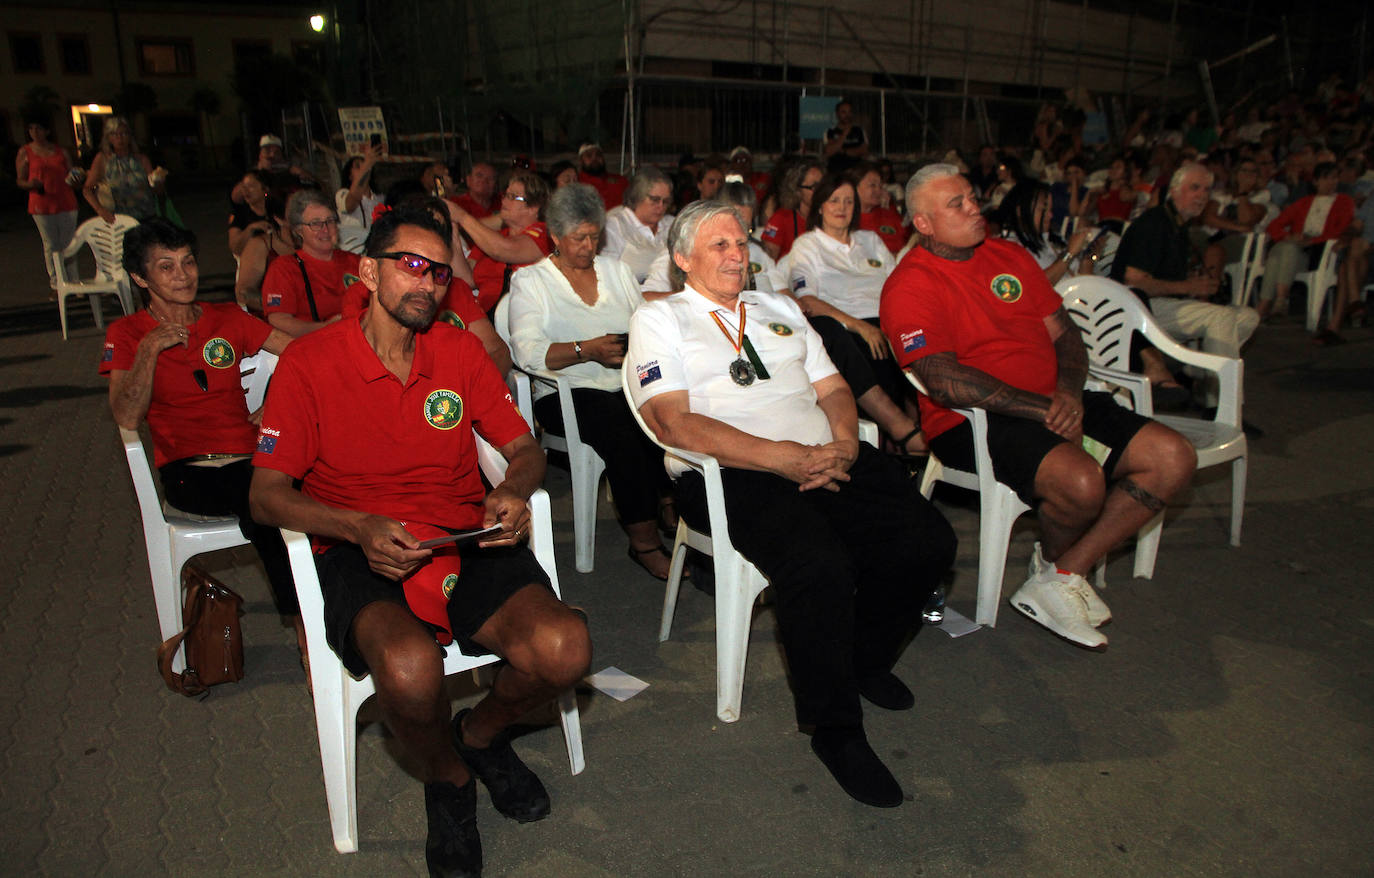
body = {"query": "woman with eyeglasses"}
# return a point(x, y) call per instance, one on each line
point(637, 231)
point(569, 314)
point(511, 239)
point(788, 222)
point(175, 364)
point(306, 291)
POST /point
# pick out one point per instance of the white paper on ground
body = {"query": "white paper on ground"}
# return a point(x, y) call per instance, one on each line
point(617, 684)
point(956, 624)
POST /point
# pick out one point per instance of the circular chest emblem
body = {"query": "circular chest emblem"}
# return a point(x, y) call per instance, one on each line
point(781, 329)
point(443, 409)
point(454, 319)
point(1006, 287)
point(755, 268)
point(875, 263)
point(886, 230)
point(218, 352)
point(449, 584)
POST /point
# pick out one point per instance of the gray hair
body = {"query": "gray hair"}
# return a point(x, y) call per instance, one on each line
point(303, 198)
point(928, 174)
point(646, 179)
point(573, 205)
point(1184, 170)
point(683, 236)
point(740, 195)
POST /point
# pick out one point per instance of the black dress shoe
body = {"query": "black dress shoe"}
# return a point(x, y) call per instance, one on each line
point(854, 765)
point(515, 790)
point(886, 691)
point(453, 848)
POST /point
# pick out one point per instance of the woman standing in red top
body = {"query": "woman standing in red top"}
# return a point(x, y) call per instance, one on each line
point(42, 167)
point(515, 237)
point(876, 215)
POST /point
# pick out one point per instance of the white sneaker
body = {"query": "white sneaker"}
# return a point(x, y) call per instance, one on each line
point(1099, 613)
point(1057, 602)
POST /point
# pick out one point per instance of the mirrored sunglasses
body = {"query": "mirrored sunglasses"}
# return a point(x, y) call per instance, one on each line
point(418, 266)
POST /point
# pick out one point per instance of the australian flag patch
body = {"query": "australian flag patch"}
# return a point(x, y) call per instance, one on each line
point(649, 373)
point(913, 340)
point(267, 440)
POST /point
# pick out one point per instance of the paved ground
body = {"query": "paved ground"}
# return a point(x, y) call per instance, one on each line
point(1227, 731)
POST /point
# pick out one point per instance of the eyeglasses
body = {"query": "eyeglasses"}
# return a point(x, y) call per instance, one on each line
point(807, 186)
point(321, 225)
point(656, 199)
point(416, 265)
point(513, 197)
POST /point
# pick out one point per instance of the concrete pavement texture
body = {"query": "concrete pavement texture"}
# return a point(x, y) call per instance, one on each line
point(1226, 731)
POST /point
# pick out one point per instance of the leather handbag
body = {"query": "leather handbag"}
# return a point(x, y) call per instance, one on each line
point(214, 640)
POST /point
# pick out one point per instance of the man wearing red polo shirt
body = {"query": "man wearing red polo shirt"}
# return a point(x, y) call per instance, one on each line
point(375, 416)
point(978, 323)
point(591, 169)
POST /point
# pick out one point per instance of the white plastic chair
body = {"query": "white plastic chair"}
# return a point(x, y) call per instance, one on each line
point(173, 538)
point(1246, 272)
point(1319, 282)
point(738, 581)
point(998, 509)
point(256, 372)
point(1108, 313)
point(585, 466)
point(106, 241)
point(338, 694)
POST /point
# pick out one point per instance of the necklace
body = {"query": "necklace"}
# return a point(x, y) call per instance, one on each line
point(195, 315)
point(741, 370)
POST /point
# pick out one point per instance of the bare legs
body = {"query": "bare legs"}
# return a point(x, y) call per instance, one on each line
point(891, 418)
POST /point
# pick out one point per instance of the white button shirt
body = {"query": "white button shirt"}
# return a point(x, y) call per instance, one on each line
point(675, 345)
point(848, 276)
point(634, 243)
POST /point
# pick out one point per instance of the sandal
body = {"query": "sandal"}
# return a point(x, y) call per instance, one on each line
point(637, 556)
point(899, 447)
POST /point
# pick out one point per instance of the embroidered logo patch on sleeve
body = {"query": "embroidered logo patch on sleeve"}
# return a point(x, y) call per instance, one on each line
point(798, 284)
point(913, 340)
point(273, 300)
point(649, 373)
point(267, 440)
point(443, 409)
point(107, 356)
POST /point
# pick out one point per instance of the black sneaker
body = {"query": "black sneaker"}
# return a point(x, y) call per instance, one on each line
point(453, 848)
point(515, 790)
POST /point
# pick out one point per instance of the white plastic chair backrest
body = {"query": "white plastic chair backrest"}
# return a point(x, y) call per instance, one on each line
point(517, 380)
point(106, 241)
point(255, 372)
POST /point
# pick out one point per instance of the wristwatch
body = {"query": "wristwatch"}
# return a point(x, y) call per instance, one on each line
point(577, 349)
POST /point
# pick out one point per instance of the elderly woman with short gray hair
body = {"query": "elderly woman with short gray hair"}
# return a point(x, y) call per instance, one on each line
point(637, 231)
point(568, 315)
point(306, 291)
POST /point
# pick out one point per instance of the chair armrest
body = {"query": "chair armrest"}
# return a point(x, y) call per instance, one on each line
point(868, 432)
point(1137, 385)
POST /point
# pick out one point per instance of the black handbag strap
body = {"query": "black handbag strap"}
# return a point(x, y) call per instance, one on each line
point(309, 293)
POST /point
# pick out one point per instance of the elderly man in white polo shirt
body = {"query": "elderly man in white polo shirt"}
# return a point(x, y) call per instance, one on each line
point(637, 231)
point(850, 547)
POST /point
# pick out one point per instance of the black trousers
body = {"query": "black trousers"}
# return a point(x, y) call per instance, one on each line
point(634, 464)
point(851, 570)
point(856, 363)
point(223, 490)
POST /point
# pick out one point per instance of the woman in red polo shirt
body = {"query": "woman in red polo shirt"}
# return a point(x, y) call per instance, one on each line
point(306, 291)
point(876, 215)
point(788, 222)
point(175, 364)
point(512, 239)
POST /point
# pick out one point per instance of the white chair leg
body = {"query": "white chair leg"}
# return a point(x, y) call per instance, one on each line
point(572, 730)
point(1238, 470)
point(735, 594)
point(337, 725)
point(674, 584)
point(930, 475)
point(167, 598)
point(586, 476)
point(995, 519)
point(97, 310)
point(1147, 546)
point(62, 312)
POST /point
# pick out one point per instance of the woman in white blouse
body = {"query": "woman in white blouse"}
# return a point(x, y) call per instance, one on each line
point(637, 231)
point(837, 275)
point(569, 314)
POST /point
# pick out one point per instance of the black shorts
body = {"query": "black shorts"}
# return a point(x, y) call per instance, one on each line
point(1018, 446)
point(489, 577)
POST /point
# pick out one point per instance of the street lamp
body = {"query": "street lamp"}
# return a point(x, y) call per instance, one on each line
point(317, 23)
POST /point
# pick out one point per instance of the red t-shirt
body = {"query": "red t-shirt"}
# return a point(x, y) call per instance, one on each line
point(185, 420)
point(783, 228)
point(610, 187)
point(888, 225)
point(283, 288)
point(1111, 206)
point(472, 205)
point(361, 439)
point(762, 183)
point(490, 273)
point(458, 307)
point(989, 312)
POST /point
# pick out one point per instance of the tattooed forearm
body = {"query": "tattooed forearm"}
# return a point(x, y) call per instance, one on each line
point(1072, 355)
point(1140, 495)
point(951, 383)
